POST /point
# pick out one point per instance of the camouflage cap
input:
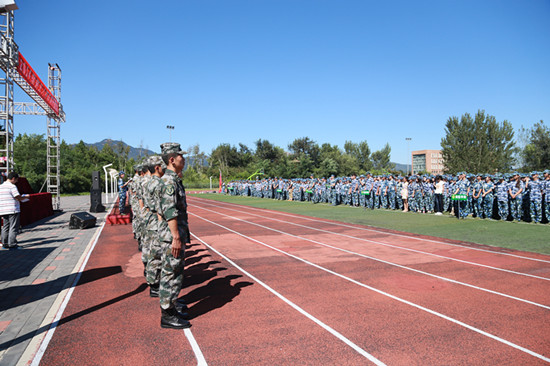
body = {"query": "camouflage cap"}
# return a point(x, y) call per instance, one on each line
point(156, 160)
point(171, 147)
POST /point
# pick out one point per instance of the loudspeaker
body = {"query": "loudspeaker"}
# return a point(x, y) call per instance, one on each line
point(95, 201)
point(82, 220)
point(96, 181)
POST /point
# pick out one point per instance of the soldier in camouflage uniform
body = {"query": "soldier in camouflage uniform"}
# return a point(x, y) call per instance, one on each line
point(173, 234)
point(152, 198)
point(145, 215)
point(134, 201)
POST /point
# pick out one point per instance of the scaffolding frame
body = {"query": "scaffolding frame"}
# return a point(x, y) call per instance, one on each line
point(8, 62)
point(54, 141)
point(9, 59)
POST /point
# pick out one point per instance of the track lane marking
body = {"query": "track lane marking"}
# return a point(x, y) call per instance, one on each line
point(420, 307)
point(392, 246)
point(363, 228)
point(386, 262)
point(201, 361)
point(296, 307)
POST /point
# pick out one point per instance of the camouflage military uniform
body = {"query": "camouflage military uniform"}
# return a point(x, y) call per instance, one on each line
point(514, 187)
point(535, 194)
point(145, 218)
point(134, 202)
point(477, 199)
point(547, 197)
point(502, 199)
point(488, 198)
point(154, 259)
point(173, 206)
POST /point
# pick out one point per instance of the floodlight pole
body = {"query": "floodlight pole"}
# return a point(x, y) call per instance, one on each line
point(170, 128)
point(408, 150)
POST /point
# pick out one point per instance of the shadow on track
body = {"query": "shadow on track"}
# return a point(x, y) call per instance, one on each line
point(87, 276)
point(214, 295)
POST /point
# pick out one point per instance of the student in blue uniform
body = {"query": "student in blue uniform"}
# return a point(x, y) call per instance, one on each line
point(535, 188)
point(502, 198)
point(515, 188)
point(488, 188)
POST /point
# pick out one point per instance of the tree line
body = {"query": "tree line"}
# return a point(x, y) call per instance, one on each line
point(477, 144)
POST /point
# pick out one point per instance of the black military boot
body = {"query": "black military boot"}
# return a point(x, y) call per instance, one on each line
point(171, 319)
point(154, 290)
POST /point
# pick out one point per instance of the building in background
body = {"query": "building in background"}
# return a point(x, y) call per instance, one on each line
point(430, 161)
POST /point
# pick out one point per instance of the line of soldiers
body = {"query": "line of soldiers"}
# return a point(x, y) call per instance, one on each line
point(512, 196)
point(160, 225)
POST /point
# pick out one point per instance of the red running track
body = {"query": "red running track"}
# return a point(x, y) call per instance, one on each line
point(270, 288)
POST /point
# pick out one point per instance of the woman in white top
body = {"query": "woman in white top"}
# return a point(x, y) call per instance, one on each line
point(405, 194)
point(439, 186)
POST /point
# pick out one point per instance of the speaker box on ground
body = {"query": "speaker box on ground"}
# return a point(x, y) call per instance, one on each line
point(82, 220)
point(95, 201)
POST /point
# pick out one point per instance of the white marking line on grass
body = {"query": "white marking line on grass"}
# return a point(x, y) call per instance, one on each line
point(378, 231)
point(389, 245)
point(383, 261)
point(335, 333)
point(420, 307)
point(201, 361)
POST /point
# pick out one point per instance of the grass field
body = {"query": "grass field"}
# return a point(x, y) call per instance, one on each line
point(513, 235)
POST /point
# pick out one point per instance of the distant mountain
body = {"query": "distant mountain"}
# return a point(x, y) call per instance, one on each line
point(401, 167)
point(135, 152)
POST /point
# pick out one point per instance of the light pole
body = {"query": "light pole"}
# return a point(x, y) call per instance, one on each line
point(408, 149)
point(170, 128)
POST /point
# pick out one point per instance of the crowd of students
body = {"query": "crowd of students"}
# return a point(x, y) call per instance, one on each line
point(514, 196)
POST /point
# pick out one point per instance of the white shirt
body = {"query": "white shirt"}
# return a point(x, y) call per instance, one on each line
point(439, 187)
point(8, 204)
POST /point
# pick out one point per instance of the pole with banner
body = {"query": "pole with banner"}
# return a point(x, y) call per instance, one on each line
point(458, 198)
point(221, 182)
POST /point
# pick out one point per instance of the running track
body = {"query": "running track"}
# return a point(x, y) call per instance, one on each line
point(271, 288)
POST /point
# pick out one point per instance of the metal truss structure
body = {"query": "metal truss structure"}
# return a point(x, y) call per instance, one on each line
point(46, 103)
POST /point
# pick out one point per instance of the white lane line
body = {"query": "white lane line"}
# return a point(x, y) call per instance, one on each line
point(383, 261)
point(392, 245)
point(201, 361)
point(332, 331)
point(420, 307)
point(379, 231)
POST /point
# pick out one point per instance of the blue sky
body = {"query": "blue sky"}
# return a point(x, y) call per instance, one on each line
point(235, 71)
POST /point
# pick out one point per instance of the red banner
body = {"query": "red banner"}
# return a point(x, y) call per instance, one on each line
point(221, 182)
point(27, 72)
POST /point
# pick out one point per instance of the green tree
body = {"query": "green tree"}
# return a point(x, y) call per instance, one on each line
point(305, 146)
point(381, 159)
point(479, 144)
point(29, 157)
point(361, 153)
point(536, 153)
